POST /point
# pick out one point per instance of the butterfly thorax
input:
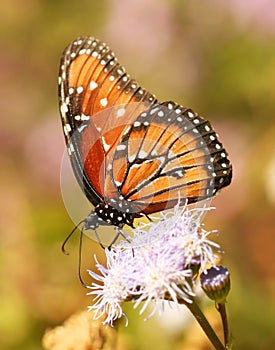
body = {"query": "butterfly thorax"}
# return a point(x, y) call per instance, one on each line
point(106, 214)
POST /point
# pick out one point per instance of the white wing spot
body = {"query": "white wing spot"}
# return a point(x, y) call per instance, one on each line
point(70, 149)
point(190, 114)
point(207, 128)
point(179, 173)
point(120, 112)
point(112, 78)
point(136, 124)
point(84, 117)
point(63, 109)
point(93, 85)
point(132, 158)
point(79, 89)
point(154, 110)
point(106, 146)
point(104, 102)
point(82, 51)
point(121, 147)
point(142, 154)
point(67, 128)
point(161, 114)
point(82, 127)
point(71, 90)
point(118, 183)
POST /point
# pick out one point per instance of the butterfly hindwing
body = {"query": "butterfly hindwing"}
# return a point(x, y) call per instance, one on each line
point(169, 152)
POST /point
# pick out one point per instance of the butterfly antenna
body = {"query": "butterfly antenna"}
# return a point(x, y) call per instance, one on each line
point(68, 237)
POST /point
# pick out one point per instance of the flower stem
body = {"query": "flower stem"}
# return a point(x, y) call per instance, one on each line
point(222, 310)
point(208, 330)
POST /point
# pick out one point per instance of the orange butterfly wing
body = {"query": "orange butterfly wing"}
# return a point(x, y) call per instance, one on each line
point(169, 153)
point(98, 102)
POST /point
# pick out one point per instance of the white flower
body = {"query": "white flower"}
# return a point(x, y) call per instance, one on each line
point(156, 264)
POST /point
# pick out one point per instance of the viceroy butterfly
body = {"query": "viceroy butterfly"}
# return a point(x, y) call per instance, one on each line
point(131, 154)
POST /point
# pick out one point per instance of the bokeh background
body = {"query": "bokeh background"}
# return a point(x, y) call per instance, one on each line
point(215, 56)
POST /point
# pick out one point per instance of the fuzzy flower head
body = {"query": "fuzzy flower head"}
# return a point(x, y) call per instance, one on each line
point(154, 265)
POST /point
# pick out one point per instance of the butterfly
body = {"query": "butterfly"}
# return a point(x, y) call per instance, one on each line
point(131, 154)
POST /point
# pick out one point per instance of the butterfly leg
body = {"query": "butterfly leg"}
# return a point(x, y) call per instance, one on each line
point(119, 232)
point(99, 240)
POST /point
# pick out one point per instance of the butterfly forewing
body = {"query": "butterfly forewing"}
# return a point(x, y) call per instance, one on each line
point(98, 102)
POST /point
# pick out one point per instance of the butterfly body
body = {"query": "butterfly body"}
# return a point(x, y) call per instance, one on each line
point(132, 155)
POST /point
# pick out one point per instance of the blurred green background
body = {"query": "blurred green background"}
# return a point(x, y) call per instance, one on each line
point(217, 57)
